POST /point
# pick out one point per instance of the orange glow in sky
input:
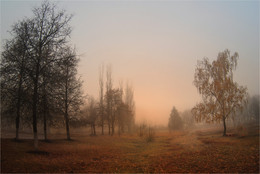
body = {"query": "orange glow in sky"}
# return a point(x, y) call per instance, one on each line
point(155, 45)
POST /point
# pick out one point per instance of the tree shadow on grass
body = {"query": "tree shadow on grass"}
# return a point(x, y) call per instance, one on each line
point(47, 141)
point(38, 152)
point(71, 140)
point(17, 140)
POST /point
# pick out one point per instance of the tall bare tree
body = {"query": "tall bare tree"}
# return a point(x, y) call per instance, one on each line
point(92, 114)
point(70, 91)
point(221, 96)
point(116, 102)
point(13, 70)
point(49, 31)
point(129, 101)
point(123, 113)
point(109, 87)
point(101, 97)
point(120, 109)
point(47, 95)
point(39, 39)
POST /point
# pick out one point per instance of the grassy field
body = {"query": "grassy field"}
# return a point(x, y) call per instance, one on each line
point(197, 151)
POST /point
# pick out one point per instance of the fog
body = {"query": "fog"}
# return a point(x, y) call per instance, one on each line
point(129, 86)
point(156, 45)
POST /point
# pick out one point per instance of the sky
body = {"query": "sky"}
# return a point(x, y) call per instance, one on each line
point(155, 45)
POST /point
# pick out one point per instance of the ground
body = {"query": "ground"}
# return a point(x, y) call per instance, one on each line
point(187, 151)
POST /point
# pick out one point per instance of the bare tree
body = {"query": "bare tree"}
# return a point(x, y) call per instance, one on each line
point(109, 86)
point(118, 108)
point(46, 31)
point(13, 71)
point(37, 41)
point(123, 113)
point(113, 97)
point(116, 103)
point(47, 95)
point(101, 97)
point(70, 91)
point(221, 96)
point(92, 114)
point(129, 101)
point(120, 116)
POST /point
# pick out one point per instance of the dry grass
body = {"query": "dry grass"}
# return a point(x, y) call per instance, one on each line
point(169, 152)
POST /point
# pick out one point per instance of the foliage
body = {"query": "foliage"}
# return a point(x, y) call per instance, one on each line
point(221, 96)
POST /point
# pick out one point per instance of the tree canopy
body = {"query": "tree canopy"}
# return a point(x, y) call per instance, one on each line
point(221, 96)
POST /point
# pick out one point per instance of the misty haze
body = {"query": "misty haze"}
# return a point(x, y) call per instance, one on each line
point(129, 87)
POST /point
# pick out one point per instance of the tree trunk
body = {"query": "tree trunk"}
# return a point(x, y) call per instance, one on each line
point(18, 106)
point(66, 105)
point(102, 121)
point(113, 128)
point(67, 126)
point(102, 127)
point(17, 122)
point(35, 136)
point(113, 123)
point(45, 125)
point(35, 96)
point(119, 129)
point(45, 114)
point(224, 123)
point(108, 129)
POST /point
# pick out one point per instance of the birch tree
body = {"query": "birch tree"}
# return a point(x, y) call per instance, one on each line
point(221, 96)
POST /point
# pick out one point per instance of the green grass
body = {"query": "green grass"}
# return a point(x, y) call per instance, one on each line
point(175, 152)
